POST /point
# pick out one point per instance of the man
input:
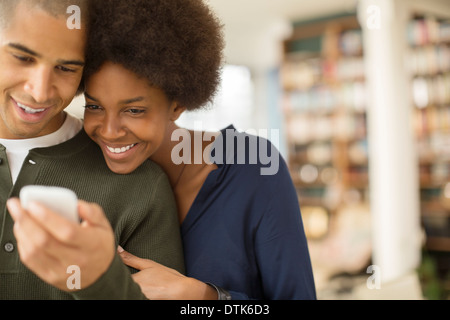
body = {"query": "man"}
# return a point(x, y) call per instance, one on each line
point(41, 66)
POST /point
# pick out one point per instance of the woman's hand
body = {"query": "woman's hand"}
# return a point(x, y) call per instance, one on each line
point(159, 282)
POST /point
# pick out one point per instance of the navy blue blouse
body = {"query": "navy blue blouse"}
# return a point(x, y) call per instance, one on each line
point(244, 231)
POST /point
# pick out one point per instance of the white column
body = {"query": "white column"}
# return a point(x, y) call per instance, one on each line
point(393, 162)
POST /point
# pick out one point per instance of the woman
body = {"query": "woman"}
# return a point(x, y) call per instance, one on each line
point(149, 61)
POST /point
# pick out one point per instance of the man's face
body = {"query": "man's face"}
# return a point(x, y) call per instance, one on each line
point(41, 64)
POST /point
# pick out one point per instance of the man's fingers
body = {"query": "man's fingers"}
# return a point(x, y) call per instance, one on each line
point(48, 243)
point(27, 229)
point(133, 261)
point(34, 242)
point(56, 225)
point(15, 209)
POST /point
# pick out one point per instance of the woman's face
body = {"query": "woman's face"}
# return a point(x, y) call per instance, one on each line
point(126, 116)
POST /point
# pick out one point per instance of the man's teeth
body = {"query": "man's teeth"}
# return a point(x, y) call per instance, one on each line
point(28, 109)
point(120, 150)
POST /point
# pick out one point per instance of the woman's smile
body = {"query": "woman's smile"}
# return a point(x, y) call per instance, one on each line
point(120, 150)
point(116, 151)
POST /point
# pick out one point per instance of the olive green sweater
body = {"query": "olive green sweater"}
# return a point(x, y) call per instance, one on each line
point(140, 207)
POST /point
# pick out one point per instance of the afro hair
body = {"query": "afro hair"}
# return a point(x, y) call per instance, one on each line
point(175, 44)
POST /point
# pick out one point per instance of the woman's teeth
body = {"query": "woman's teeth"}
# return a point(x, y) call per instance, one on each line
point(29, 110)
point(120, 150)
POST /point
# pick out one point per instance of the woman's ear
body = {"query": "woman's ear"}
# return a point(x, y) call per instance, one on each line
point(176, 111)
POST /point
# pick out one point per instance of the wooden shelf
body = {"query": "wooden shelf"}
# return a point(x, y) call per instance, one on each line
point(430, 71)
point(324, 107)
point(438, 243)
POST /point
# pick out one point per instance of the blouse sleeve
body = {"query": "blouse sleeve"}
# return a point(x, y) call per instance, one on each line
point(281, 246)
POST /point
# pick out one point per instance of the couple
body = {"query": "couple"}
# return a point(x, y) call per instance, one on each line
point(140, 64)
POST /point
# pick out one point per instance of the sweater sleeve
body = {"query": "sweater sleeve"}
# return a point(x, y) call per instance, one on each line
point(156, 236)
point(115, 284)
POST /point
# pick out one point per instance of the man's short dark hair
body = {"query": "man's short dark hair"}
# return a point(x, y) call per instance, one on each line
point(175, 44)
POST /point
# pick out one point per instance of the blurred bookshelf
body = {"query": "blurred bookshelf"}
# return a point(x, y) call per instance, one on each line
point(429, 41)
point(429, 45)
point(324, 106)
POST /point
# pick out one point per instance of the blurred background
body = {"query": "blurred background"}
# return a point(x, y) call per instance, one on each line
point(359, 92)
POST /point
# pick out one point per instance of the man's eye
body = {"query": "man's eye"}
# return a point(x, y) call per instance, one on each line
point(65, 69)
point(23, 58)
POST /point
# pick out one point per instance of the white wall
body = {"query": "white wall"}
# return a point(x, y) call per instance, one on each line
point(76, 107)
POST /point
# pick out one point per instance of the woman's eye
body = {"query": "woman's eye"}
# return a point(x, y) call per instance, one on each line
point(136, 111)
point(92, 107)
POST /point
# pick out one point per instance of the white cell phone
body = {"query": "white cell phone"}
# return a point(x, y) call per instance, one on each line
point(60, 200)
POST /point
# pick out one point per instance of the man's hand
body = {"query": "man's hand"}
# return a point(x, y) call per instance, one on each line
point(48, 243)
point(159, 282)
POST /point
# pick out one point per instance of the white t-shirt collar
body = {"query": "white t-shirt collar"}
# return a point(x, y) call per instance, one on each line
point(17, 150)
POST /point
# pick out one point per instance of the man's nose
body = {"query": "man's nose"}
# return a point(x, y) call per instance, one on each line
point(40, 84)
